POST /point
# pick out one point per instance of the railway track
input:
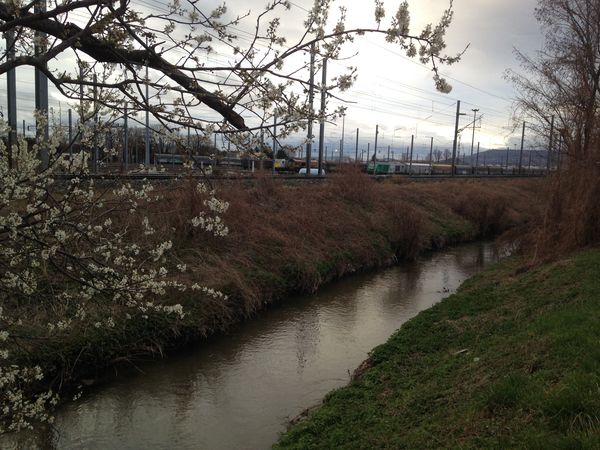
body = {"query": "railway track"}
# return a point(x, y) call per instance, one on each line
point(163, 176)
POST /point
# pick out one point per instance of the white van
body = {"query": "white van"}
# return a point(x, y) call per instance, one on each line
point(313, 171)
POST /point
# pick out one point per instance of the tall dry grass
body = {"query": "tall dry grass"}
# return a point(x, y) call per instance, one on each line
point(571, 217)
point(287, 238)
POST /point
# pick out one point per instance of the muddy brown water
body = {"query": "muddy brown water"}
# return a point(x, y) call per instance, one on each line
point(239, 391)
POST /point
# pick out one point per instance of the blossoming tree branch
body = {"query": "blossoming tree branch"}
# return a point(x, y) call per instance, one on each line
point(116, 39)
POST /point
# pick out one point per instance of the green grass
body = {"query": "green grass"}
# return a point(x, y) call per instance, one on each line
point(510, 361)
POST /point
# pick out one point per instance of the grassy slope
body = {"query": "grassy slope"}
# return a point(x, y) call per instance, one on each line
point(510, 361)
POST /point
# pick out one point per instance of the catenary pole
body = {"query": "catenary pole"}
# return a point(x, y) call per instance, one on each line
point(96, 120)
point(356, 148)
point(455, 138)
point(412, 143)
point(549, 153)
point(521, 151)
point(147, 144)
point(431, 151)
point(473, 136)
point(11, 87)
point(322, 118)
point(311, 95)
point(41, 86)
point(70, 115)
point(343, 132)
point(274, 140)
point(125, 137)
point(375, 149)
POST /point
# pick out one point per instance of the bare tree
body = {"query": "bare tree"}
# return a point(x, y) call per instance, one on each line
point(447, 154)
point(562, 83)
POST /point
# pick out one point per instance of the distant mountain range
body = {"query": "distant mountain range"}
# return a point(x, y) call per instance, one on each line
point(537, 158)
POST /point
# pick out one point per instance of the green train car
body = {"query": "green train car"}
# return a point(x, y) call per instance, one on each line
point(390, 168)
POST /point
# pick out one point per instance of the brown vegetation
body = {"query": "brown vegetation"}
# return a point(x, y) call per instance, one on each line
point(571, 219)
point(285, 238)
point(294, 238)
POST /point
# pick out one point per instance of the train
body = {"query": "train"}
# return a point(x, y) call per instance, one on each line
point(419, 168)
point(290, 165)
point(293, 165)
point(221, 162)
point(389, 168)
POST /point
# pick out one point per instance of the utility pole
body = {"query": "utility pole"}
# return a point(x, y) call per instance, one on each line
point(549, 153)
point(477, 159)
point(521, 151)
point(11, 87)
point(376, 135)
point(96, 120)
point(322, 121)
point(147, 148)
point(431, 152)
point(311, 95)
point(81, 106)
point(343, 129)
point(214, 158)
point(473, 137)
point(274, 140)
point(368, 151)
point(388, 158)
point(41, 86)
point(70, 132)
point(412, 141)
point(126, 137)
point(458, 114)
point(356, 148)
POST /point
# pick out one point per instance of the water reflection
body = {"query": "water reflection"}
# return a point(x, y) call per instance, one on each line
point(237, 391)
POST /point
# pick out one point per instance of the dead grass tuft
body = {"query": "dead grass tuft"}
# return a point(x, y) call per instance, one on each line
point(571, 218)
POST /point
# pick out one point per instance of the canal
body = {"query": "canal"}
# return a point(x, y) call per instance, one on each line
point(238, 391)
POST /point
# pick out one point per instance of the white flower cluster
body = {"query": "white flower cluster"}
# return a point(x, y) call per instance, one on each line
point(210, 292)
point(213, 225)
point(23, 411)
point(68, 245)
point(210, 220)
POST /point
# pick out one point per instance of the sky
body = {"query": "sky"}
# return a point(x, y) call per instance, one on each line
point(397, 93)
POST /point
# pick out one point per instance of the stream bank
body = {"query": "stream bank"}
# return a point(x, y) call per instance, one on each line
point(284, 240)
point(510, 361)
